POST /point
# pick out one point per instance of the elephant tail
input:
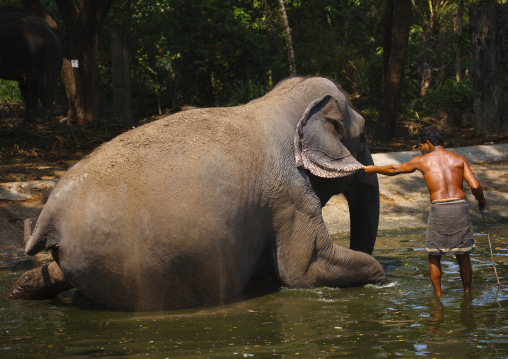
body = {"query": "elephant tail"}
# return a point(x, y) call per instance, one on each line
point(36, 242)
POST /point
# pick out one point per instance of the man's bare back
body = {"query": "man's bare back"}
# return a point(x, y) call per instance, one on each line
point(443, 172)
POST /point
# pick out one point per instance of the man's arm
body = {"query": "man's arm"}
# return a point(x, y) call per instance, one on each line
point(392, 170)
point(476, 187)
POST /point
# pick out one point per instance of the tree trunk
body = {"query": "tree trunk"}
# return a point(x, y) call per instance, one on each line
point(120, 65)
point(81, 42)
point(394, 73)
point(289, 41)
point(82, 82)
point(489, 72)
point(36, 7)
point(457, 29)
point(387, 37)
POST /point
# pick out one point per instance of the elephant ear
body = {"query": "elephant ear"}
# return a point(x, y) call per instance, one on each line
point(317, 140)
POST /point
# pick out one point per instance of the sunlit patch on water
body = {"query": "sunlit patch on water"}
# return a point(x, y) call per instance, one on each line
point(402, 318)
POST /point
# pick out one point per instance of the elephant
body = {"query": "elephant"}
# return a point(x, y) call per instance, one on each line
point(193, 208)
point(31, 54)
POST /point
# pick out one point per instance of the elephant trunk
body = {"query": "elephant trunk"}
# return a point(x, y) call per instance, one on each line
point(363, 201)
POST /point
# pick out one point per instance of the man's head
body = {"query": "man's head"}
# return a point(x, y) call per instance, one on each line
point(432, 134)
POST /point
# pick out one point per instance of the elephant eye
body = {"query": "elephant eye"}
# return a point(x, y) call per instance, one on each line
point(339, 129)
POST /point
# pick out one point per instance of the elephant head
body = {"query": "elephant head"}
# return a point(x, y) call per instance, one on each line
point(318, 140)
point(330, 142)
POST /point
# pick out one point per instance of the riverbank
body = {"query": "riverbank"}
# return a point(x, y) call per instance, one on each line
point(404, 200)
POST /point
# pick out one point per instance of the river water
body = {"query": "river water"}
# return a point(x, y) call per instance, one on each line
point(401, 319)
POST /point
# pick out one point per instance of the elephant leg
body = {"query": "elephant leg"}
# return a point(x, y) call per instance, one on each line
point(30, 98)
point(46, 88)
point(40, 283)
point(307, 257)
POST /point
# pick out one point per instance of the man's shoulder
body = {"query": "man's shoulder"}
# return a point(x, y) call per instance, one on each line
point(415, 163)
point(454, 155)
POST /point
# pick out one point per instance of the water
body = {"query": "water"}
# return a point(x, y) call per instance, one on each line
point(401, 319)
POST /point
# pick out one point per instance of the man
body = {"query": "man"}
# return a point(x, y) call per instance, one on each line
point(449, 228)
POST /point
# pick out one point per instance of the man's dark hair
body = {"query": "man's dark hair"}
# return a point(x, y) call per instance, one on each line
point(432, 134)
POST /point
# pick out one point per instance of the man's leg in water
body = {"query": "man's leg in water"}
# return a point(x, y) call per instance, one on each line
point(466, 272)
point(435, 272)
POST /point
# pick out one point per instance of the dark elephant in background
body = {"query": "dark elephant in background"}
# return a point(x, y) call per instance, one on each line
point(187, 210)
point(31, 54)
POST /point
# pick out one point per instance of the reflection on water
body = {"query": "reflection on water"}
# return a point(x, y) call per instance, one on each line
point(402, 318)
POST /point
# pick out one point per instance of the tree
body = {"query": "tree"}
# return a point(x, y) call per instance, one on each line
point(289, 40)
point(202, 53)
point(338, 40)
point(457, 28)
point(82, 22)
point(438, 18)
point(397, 15)
point(489, 57)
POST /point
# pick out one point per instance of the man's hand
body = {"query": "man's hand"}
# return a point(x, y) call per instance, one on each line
point(482, 204)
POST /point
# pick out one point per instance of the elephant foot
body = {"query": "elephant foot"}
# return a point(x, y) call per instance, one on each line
point(40, 283)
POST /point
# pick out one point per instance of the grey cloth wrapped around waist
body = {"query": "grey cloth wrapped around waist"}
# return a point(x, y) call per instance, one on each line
point(449, 230)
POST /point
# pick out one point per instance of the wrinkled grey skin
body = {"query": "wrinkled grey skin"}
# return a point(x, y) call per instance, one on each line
point(185, 211)
point(30, 53)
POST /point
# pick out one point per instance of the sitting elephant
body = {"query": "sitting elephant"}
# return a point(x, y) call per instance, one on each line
point(187, 210)
point(30, 53)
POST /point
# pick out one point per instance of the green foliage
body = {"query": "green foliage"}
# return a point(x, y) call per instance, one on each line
point(9, 91)
point(10, 2)
point(196, 52)
point(339, 40)
point(452, 93)
point(483, 2)
point(243, 92)
point(223, 53)
point(432, 47)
